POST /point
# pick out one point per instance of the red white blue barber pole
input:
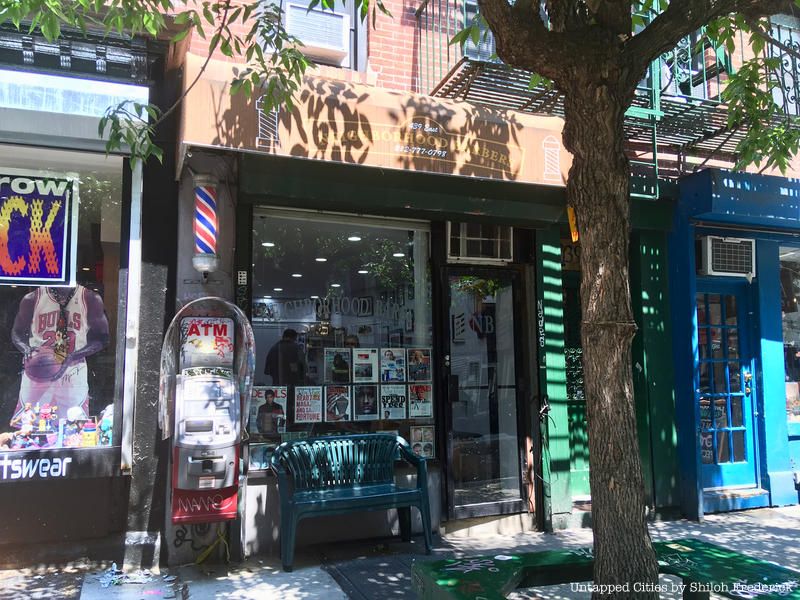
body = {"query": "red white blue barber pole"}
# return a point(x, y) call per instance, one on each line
point(205, 257)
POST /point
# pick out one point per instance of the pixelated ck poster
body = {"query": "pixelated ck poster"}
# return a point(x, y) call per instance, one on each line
point(38, 228)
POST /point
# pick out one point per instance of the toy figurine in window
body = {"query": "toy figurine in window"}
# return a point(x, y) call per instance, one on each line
point(105, 426)
point(56, 329)
point(24, 418)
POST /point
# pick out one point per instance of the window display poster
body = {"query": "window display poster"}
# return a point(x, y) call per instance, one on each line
point(422, 442)
point(308, 404)
point(260, 455)
point(337, 403)
point(268, 410)
point(55, 330)
point(393, 364)
point(365, 365)
point(366, 402)
point(420, 400)
point(419, 364)
point(393, 401)
point(337, 365)
point(44, 226)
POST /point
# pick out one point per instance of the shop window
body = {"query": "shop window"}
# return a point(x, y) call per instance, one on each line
point(60, 234)
point(341, 312)
point(478, 242)
point(790, 310)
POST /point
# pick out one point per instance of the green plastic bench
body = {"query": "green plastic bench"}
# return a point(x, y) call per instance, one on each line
point(702, 567)
point(343, 474)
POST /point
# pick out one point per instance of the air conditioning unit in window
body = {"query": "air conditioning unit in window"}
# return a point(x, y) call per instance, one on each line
point(325, 34)
point(725, 256)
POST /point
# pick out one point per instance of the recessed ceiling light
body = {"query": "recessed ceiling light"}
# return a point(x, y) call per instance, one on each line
point(297, 275)
point(354, 238)
point(268, 244)
point(268, 297)
point(277, 289)
point(398, 255)
point(314, 297)
point(363, 272)
point(336, 285)
point(321, 259)
point(85, 269)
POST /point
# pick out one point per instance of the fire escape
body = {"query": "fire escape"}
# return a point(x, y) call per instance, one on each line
point(677, 122)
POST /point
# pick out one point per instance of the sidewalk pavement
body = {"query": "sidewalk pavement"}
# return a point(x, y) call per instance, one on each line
point(370, 570)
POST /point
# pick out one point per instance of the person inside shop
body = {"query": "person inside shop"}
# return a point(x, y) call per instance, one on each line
point(351, 341)
point(270, 415)
point(286, 363)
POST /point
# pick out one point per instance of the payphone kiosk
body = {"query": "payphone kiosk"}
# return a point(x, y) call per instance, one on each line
point(206, 377)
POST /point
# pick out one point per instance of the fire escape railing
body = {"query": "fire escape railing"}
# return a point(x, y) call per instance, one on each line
point(677, 119)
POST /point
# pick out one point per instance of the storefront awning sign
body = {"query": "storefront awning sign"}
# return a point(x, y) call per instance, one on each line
point(38, 228)
point(358, 124)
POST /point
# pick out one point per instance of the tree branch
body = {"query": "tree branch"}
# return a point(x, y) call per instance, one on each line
point(682, 17)
point(522, 39)
point(613, 15)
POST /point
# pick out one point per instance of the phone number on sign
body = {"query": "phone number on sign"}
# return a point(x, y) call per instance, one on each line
point(419, 150)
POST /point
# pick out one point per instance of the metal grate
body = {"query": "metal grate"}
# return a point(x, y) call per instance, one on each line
point(731, 256)
point(268, 138)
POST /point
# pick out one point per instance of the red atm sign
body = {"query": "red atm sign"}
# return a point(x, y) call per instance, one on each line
point(38, 223)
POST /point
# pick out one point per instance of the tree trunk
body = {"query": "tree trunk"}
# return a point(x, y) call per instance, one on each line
point(598, 190)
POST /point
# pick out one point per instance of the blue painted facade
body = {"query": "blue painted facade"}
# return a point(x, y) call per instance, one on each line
point(766, 209)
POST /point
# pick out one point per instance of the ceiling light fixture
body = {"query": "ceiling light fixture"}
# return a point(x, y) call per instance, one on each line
point(277, 289)
point(363, 272)
point(268, 244)
point(336, 285)
point(297, 275)
point(321, 259)
point(354, 238)
point(398, 255)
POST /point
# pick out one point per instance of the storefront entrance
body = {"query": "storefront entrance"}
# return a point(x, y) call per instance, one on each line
point(725, 386)
point(485, 436)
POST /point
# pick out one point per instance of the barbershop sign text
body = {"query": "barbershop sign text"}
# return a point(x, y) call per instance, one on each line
point(38, 225)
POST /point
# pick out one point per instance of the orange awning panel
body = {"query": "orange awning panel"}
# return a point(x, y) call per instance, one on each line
point(363, 125)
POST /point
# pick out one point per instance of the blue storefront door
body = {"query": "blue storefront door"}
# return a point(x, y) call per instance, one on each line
point(725, 386)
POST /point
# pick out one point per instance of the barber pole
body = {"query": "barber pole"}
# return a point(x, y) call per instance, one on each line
point(205, 225)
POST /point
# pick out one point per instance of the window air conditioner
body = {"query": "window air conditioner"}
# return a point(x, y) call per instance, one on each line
point(325, 34)
point(731, 257)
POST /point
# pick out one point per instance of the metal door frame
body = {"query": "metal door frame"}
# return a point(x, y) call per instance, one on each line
point(746, 332)
point(516, 274)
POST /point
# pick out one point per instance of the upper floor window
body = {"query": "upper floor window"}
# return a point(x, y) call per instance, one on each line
point(331, 37)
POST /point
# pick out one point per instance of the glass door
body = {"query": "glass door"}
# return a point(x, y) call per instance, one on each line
point(725, 387)
point(485, 453)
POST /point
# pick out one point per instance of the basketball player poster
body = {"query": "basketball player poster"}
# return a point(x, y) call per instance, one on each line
point(56, 329)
